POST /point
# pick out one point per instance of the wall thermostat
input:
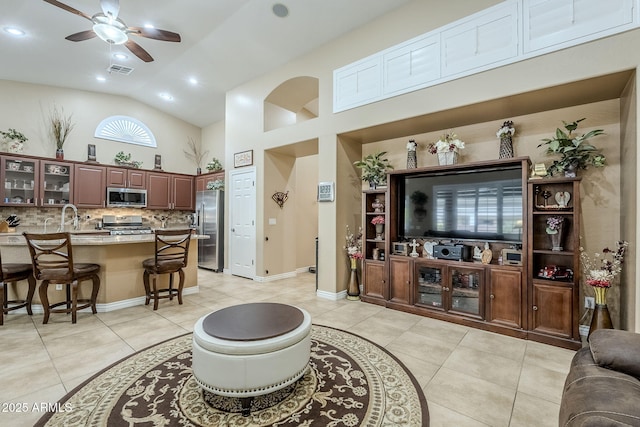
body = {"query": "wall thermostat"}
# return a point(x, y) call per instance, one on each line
point(326, 192)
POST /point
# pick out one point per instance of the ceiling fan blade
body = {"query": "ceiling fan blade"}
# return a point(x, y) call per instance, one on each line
point(138, 51)
point(110, 8)
point(82, 35)
point(68, 8)
point(154, 33)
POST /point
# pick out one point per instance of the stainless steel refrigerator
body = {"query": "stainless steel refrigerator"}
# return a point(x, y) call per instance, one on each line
point(210, 221)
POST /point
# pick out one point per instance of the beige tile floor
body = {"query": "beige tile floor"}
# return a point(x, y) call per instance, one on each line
point(470, 377)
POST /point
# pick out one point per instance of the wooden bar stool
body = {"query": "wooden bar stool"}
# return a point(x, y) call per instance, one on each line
point(13, 273)
point(172, 249)
point(52, 260)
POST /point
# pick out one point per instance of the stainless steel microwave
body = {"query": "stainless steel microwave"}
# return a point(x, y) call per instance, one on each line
point(126, 197)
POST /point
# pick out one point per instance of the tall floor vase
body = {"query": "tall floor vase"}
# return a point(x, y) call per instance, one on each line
point(601, 317)
point(353, 290)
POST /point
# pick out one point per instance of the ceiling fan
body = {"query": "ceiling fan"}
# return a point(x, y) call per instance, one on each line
point(108, 27)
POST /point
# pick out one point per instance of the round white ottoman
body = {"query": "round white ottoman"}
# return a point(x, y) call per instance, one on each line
point(251, 349)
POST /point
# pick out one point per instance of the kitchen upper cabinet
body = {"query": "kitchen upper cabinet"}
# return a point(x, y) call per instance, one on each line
point(169, 191)
point(126, 178)
point(89, 190)
point(184, 197)
point(32, 182)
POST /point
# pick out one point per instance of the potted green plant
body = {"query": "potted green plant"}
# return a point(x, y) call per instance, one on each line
point(13, 141)
point(374, 169)
point(214, 165)
point(574, 150)
point(125, 160)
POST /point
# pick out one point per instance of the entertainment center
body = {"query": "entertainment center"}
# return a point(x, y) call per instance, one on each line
point(429, 258)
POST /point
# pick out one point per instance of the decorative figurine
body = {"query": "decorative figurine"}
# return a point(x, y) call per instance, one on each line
point(487, 255)
point(414, 245)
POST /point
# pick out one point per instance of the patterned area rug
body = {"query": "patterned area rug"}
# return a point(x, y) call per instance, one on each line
point(350, 382)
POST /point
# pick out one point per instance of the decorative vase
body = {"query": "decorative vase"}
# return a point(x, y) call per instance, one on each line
point(557, 238)
point(59, 154)
point(377, 206)
point(448, 158)
point(353, 290)
point(372, 185)
point(506, 147)
point(412, 161)
point(601, 317)
point(570, 171)
point(379, 231)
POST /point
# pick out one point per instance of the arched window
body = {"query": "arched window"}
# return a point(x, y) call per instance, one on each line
point(125, 129)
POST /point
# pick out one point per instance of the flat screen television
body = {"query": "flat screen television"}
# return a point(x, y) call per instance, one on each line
point(479, 204)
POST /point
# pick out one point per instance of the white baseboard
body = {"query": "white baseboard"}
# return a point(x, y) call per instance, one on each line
point(331, 295)
point(275, 277)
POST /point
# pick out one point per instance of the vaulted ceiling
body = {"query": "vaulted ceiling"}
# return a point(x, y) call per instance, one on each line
point(225, 43)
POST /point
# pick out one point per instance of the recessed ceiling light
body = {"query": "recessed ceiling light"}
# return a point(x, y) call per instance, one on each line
point(101, 78)
point(166, 96)
point(120, 55)
point(14, 31)
point(193, 81)
point(280, 10)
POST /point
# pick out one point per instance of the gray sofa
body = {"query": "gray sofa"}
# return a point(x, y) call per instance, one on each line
point(603, 385)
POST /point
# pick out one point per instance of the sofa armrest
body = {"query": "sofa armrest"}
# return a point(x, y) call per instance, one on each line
point(616, 350)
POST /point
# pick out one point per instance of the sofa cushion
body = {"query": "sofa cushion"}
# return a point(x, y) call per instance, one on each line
point(617, 350)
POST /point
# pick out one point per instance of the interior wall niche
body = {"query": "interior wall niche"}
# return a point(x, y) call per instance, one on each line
point(292, 102)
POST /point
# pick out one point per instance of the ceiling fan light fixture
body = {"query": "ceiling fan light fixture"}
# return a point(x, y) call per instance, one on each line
point(110, 34)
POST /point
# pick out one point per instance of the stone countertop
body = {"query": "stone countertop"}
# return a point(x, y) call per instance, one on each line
point(91, 239)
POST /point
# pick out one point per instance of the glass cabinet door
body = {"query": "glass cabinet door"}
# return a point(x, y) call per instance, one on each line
point(56, 183)
point(430, 286)
point(465, 289)
point(20, 178)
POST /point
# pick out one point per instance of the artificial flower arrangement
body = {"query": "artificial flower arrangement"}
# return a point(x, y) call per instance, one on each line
point(554, 223)
point(605, 266)
point(354, 244)
point(447, 143)
point(377, 220)
point(506, 130)
point(218, 184)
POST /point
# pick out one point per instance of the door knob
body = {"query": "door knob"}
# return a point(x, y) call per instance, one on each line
point(535, 308)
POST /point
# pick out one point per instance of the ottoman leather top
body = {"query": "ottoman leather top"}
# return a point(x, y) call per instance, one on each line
point(253, 321)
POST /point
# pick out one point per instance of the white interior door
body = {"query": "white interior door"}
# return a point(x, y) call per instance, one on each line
point(242, 211)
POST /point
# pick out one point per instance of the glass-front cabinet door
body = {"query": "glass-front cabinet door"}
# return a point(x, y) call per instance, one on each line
point(55, 185)
point(20, 178)
point(430, 286)
point(466, 284)
point(449, 287)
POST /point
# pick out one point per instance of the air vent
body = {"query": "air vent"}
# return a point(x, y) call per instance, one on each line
point(119, 69)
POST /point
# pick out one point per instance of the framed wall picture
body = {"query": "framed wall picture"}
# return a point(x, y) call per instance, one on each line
point(243, 158)
point(326, 192)
point(158, 162)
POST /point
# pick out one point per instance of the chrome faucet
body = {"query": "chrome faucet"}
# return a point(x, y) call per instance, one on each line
point(75, 216)
point(45, 223)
